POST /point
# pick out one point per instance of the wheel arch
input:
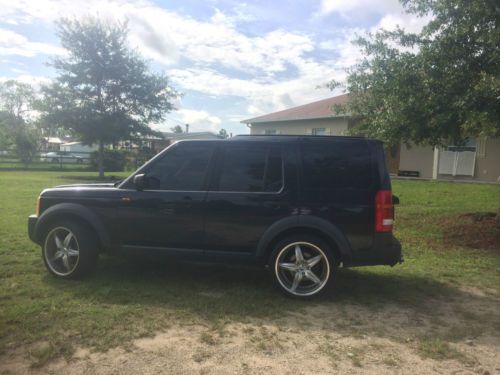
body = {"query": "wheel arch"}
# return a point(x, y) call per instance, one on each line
point(76, 212)
point(310, 225)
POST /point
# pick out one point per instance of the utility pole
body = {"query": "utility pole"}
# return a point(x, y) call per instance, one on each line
point(187, 128)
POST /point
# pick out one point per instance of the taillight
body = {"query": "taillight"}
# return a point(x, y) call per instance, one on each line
point(384, 211)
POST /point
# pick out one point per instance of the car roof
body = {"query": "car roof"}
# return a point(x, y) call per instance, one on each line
point(285, 138)
point(288, 138)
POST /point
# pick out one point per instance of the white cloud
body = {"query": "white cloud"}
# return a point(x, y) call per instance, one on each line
point(12, 43)
point(214, 56)
point(262, 95)
point(391, 12)
point(166, 36)
point(213, 45)
point(346, 8)
point(199, 120)
point(33, 80)
point(405, 21)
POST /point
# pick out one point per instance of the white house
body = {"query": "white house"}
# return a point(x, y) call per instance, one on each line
point(78, 149)
point(478, 160)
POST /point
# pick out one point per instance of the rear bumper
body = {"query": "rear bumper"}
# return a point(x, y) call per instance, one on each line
point(386, 250)
point(32, 220)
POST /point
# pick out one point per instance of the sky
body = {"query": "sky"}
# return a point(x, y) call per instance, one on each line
point(231, 60)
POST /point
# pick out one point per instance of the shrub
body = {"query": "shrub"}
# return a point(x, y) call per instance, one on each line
point(114, 160)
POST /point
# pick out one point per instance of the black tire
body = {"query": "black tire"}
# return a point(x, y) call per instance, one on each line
point(83, 239)
point(283, 254)
point(79, 161)
point(55, 160)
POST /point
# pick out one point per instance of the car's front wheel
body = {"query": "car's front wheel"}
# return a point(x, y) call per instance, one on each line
point(302, 266)
point(70, 250)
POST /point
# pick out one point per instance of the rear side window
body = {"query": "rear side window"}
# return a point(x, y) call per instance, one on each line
point(336, 165)
point(251, 168)
point(184, 168)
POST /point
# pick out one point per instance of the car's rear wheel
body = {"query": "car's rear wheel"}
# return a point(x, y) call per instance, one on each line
point(70, 250)
point(303, 266)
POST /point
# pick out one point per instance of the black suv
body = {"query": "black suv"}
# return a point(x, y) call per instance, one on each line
point(303, 205)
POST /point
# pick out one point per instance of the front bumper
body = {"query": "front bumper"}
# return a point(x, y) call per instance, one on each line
point(386, 250)
point(32, 220)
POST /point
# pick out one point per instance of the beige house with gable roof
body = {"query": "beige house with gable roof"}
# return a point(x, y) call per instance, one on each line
point(479, 160)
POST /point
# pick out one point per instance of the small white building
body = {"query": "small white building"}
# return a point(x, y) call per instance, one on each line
point(78, 149)
point(51, 143)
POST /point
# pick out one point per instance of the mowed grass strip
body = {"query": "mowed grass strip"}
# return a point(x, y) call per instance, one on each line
point(123, 300)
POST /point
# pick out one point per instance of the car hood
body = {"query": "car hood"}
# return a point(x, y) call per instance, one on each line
point(96, 185)
point(80, 190)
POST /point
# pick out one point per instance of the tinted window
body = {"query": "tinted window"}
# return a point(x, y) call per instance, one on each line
point(251, 168)
point(336, 165)
point(182, 168)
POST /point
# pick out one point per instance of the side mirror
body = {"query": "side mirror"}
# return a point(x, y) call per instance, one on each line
point(140, 181)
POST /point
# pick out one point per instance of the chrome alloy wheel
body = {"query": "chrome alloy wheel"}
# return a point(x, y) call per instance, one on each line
point(302, 268)
point(61, 251)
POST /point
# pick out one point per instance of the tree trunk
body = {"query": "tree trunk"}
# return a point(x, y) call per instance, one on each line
point(101, 160)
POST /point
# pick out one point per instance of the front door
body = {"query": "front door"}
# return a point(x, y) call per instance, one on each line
point(169, 213)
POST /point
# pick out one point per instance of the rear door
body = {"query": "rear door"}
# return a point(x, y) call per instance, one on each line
point(248, 193)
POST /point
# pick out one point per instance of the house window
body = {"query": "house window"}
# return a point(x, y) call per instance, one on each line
point(319, 131)
point(271, 132)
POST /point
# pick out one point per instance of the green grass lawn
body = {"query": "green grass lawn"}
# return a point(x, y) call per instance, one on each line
point(125, 300)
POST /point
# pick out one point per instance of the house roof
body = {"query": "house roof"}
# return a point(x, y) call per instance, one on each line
point(53, 140)
point(315, 110)
point(71, 143)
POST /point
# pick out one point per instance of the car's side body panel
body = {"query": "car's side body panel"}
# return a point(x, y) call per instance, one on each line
point(169, 219)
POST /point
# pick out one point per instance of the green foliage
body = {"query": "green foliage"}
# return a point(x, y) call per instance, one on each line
point(16, 98)
point(26, 141)
point(16, 101)
point(104, 91)
point(113, 160)
point(436, 87)
point(223, 133)
point(176, 129)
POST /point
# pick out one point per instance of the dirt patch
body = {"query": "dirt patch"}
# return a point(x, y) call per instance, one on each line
point(247, 349)
point(322, 339)
point(479, 230)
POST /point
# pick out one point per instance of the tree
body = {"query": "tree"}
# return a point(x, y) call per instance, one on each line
point(16, 101)
point(223, 133)
point(176, 129)
point(27, 144)
point(16, 98)
point(104, 91)
point(436, 87)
